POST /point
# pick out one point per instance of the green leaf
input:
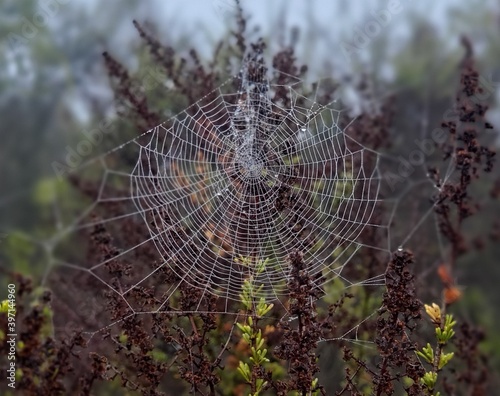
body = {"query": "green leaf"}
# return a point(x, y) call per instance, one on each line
point(427, 353)
point(444, 359)
point(429, 379)
point(244, 370)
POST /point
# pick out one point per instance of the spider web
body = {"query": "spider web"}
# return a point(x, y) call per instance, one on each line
point(221, 193)
point(242, 182)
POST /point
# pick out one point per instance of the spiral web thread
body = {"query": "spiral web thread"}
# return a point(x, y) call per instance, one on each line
point(229, 191)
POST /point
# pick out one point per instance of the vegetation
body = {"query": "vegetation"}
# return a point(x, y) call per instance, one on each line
point(297, 347)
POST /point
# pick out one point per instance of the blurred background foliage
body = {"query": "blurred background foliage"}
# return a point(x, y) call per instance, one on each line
point(53, 86)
